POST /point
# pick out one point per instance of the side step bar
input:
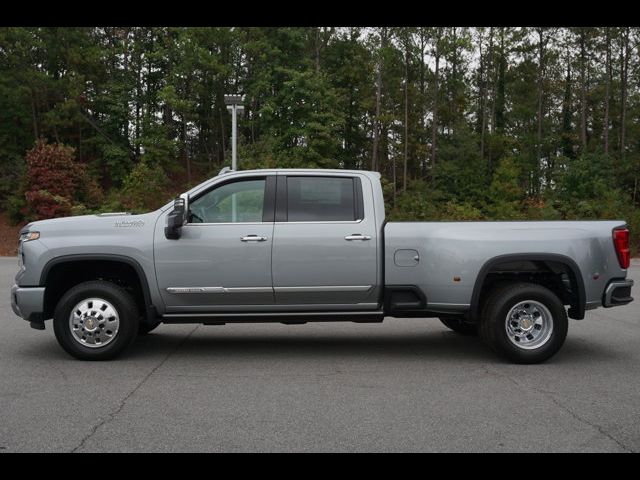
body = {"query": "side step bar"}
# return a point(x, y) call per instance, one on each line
point(281, 317)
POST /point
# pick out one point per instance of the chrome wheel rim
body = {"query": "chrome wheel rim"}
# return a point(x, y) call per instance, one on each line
point(529, 324)
point(94, 322)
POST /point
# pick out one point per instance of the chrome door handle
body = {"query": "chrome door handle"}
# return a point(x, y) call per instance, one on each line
point(357, 236)
point(253, 238)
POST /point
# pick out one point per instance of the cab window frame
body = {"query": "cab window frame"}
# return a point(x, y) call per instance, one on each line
point(282, 198)
point(268, 203)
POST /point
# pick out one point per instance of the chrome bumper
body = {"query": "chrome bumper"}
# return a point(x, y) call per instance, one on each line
point(28, 302)
point(618, 292)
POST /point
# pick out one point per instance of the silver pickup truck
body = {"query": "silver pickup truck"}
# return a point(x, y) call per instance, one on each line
point(294, 246)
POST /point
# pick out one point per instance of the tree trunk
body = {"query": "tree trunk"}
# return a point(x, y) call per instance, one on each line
point(540, 114)
point(34, 114)
point(375, 160)
point(607, 90)
point(350, 160)
point(500, 87)
point(567, 143)
point(383, 159)
point(540, 93)
point(395, 181)
point(317, 48)
point(488, 68)
point(185, 149)
point(481, 121)
point(423, 44)
point(434, 125)
point(624, 79)
point(376, 127)
point(223, 137)
point(454, 76)
point(583, 91)
point(406, 117)
point(254, 109)
point(138, 106)
point(125, 55)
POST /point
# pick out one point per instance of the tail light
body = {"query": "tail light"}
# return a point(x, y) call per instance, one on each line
point(621, 244)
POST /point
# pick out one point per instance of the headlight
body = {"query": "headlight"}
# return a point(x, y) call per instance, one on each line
point(28, 236)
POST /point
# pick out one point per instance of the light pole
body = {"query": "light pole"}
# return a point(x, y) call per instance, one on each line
point(234, 104)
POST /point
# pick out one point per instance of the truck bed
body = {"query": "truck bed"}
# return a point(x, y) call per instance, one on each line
point(445, 259)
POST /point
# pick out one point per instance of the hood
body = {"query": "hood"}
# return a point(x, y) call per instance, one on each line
point(103, 221)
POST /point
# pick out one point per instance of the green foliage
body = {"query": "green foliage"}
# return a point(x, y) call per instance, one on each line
point(144, 188)
point(15, 206)
point(586, 178)
point(114, 159)
point(464, 174)
point(421, 203)
point(461, 211)
point(505, 192)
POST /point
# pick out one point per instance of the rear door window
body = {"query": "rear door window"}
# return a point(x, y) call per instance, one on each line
point(321, 199)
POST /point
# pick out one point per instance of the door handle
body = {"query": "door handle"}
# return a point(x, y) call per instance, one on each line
point(253, 238)
point(357, 236)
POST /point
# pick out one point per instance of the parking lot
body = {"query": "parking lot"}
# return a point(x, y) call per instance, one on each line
point(402, 385)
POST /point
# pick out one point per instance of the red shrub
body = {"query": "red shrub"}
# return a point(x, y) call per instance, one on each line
point(53, 180)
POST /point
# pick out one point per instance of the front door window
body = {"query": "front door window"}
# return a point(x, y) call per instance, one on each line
point(236, 202)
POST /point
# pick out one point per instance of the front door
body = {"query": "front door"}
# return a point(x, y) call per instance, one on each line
point(222, 261)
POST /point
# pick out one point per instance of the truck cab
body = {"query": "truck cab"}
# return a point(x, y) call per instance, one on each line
point(294, 241)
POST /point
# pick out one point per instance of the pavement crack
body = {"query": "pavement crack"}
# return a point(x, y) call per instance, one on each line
point(112, 415)
point(599, 428)
point(550, 395)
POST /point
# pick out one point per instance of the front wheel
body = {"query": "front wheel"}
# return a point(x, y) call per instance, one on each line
point(95, 320)
point(524, 322)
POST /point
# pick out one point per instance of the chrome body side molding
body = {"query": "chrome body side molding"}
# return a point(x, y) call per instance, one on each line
point(179, 290)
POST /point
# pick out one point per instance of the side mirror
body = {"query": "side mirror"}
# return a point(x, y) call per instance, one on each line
point(177, 218)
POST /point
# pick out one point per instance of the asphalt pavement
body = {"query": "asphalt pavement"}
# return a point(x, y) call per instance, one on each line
point(402, 385)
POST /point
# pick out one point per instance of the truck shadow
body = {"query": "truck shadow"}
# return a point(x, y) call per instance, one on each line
point(440, 345)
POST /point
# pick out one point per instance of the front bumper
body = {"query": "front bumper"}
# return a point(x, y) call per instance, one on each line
point(28, 302)
point(618, 292)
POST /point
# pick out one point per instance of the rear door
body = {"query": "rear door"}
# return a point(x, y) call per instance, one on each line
point(324, 247)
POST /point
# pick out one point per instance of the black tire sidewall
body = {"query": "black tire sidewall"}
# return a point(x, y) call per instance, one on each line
point(121, 301)
point(497, 312)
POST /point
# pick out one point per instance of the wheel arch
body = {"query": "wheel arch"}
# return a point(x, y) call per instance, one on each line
point(577, 309)
point(149, 311)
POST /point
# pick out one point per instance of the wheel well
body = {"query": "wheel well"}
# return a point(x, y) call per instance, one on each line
point(65, 275)
point(558, 275)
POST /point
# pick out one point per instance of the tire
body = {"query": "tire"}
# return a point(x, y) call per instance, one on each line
point(458, 325)
point(146, 327)
point(107, 311)
point(524, 322)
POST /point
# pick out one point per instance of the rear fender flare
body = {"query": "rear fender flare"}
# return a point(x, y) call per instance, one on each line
point(575, 312)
